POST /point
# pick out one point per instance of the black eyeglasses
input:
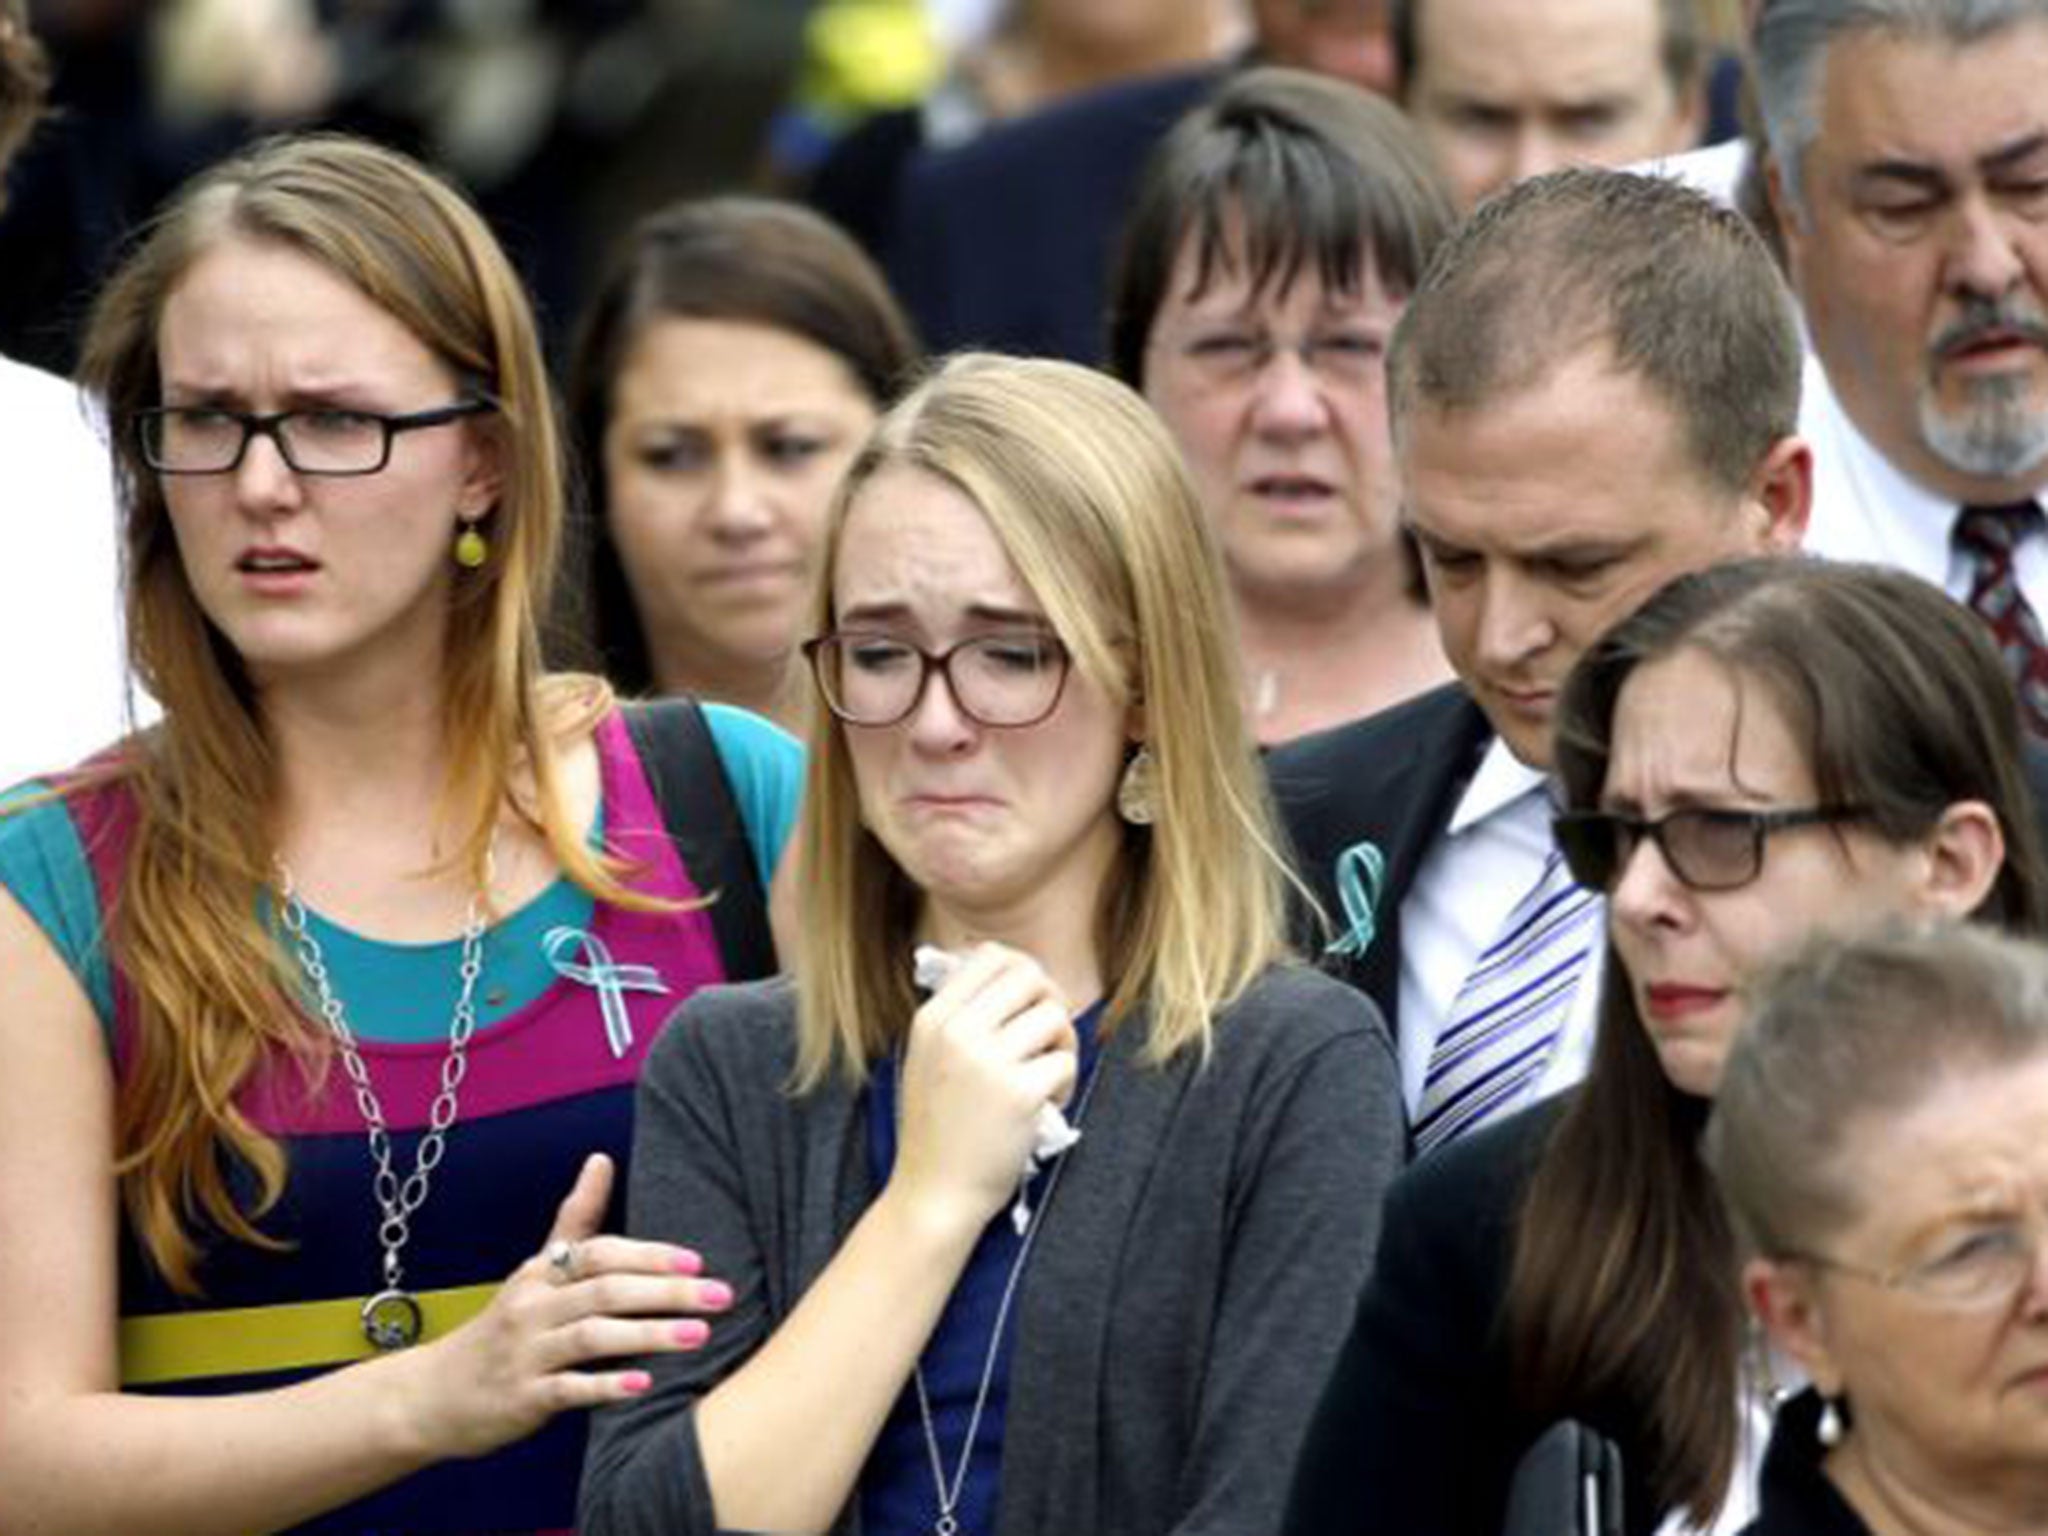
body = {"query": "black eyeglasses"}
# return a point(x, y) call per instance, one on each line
point(1708, 850)
point(1004, 680)
point(322, 440)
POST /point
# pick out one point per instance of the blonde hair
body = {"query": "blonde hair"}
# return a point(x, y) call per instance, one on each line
point(1086, 493)
point(211, 988)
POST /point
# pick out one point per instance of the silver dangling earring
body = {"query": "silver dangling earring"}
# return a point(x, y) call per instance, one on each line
point(1137, 791)
point(1829, 1431)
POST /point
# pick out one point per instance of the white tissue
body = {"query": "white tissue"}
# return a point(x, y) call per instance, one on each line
point(931, 967)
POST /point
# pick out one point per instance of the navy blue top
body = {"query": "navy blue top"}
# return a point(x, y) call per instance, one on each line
point(897, 1494)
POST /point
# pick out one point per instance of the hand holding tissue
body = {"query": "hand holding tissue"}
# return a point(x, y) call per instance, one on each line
point(932, 967)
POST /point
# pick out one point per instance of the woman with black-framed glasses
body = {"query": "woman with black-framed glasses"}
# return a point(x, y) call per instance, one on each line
point(1039, 871)
point(322, 1000)
point(1764, 750)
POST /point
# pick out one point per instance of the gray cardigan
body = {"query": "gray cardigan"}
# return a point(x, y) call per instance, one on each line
point(1194, 1275)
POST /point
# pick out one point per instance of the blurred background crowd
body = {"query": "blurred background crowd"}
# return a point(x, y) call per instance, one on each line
point(567, 121)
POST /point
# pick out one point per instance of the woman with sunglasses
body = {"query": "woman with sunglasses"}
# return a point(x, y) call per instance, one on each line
point(1040, 871)
point(1762, 751)
point(321, 1002)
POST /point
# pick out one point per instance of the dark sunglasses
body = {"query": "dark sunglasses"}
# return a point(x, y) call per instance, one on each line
point(1708, 850)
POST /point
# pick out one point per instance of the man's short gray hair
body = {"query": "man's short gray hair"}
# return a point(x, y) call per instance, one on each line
point(1793, 37)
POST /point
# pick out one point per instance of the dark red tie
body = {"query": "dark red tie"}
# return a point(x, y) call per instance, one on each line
point(1988, 536)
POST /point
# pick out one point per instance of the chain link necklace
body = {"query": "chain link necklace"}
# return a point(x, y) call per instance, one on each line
point(948, 1522)
point(391, 1318)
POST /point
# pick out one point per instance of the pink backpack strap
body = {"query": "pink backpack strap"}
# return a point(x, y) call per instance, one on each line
point(106, 816)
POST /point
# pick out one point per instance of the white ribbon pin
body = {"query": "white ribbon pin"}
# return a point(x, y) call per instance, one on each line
point(611, 982)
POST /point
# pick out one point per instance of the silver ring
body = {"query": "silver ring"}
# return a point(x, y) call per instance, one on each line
point(561, 1256)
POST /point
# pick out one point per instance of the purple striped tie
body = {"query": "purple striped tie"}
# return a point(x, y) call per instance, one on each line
point(1507, 1015)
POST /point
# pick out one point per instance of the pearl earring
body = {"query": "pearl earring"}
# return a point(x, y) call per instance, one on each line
point(1829, 1430)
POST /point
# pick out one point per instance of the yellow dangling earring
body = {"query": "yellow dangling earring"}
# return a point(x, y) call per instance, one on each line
point(471, 551)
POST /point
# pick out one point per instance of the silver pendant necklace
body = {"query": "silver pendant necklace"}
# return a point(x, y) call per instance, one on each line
point(948, 1493)
point(391, 1319)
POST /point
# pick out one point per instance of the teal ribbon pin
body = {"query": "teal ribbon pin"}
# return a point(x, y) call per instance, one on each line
point(1361, 876)
point(611, 982)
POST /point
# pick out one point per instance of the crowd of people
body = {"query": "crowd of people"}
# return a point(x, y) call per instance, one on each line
point(1328, 773)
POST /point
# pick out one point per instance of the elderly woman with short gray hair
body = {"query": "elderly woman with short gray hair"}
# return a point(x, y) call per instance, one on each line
point(1881, 1138)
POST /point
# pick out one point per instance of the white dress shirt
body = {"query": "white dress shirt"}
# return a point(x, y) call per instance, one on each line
point(1865, 509)
point(1486, 859)
point(62, 694)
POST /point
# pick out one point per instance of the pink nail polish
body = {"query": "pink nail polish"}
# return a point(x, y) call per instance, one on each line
point(712, 1294)
point(636, 1382)
point(690, 1333)
point(688, 1263)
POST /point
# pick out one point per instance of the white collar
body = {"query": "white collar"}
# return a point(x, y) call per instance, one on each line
point(1920, 523)
point(1502, 780)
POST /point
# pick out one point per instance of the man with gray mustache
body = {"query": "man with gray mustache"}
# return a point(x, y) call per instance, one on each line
point(1908, 169)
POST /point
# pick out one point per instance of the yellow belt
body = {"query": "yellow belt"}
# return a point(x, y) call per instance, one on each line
point(248, 1341)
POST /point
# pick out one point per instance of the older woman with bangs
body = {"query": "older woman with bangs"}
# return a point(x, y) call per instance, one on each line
point(1764, 751)
point(1277, 233)
point(1041, 873)
point(315, 997)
